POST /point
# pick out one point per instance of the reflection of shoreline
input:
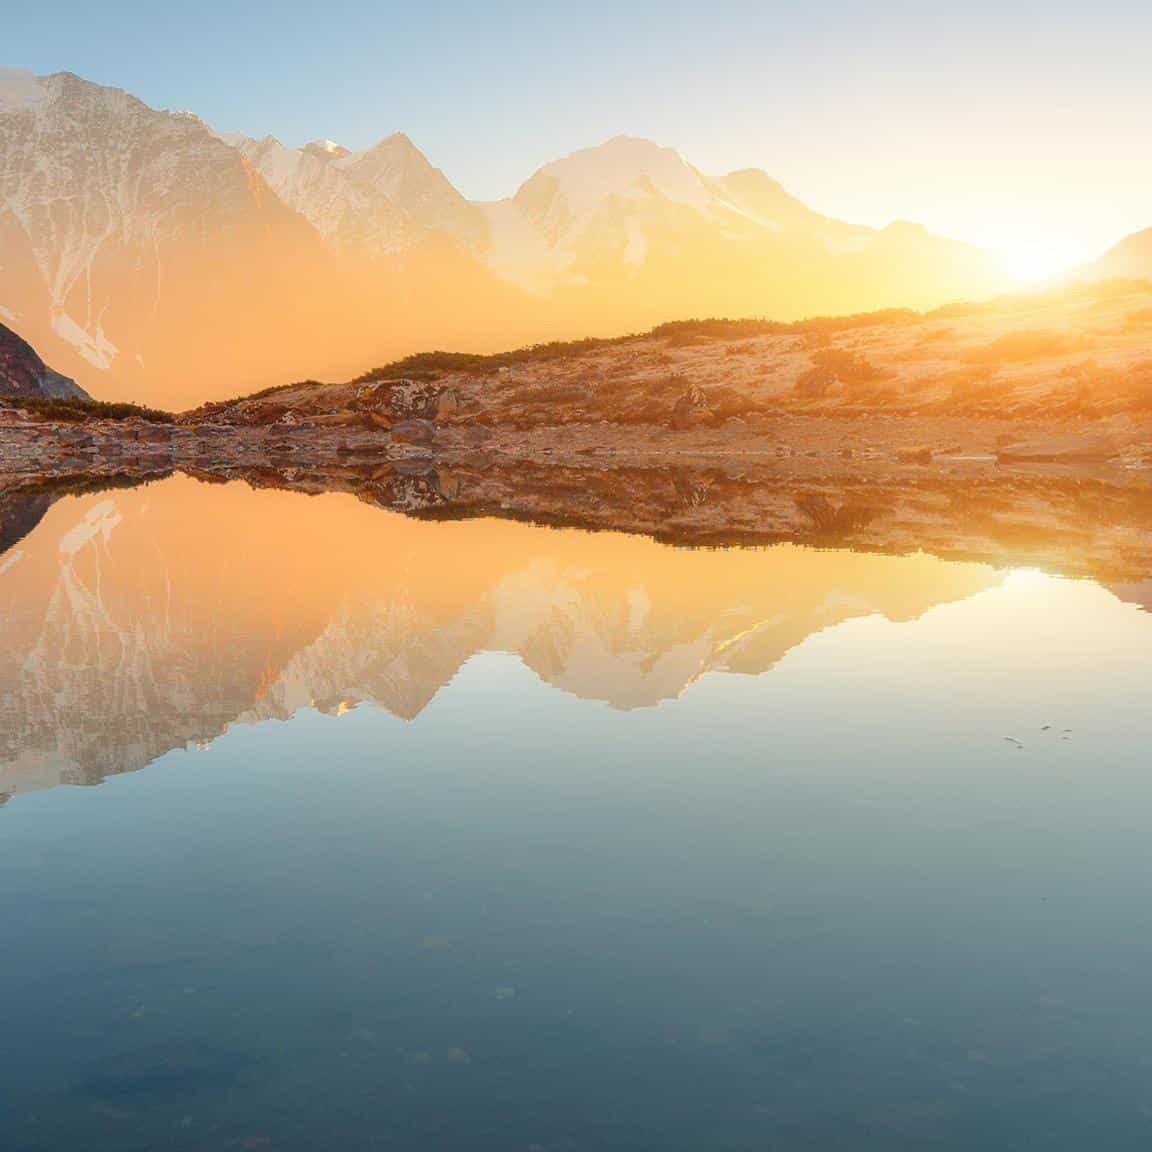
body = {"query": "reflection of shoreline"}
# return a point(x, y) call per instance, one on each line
point(140, 621)
point(24, 504)
point(1076, 521)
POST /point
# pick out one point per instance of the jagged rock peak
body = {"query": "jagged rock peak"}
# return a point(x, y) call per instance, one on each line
point(326, 150)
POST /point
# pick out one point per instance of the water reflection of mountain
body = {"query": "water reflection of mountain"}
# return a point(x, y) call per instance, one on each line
point(137, 621)
point(1139, 593)
point(19, 514)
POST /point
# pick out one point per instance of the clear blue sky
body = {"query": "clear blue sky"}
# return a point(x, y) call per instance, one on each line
point(1010, 123)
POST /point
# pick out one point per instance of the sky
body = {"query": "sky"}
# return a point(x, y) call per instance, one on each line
point(1018, 125)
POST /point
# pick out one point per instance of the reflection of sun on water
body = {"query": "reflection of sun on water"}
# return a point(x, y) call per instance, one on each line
point(1032, 588)
point(1028, 579)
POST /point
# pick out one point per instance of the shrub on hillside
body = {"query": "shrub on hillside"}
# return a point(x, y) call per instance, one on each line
point(74, 410)
point(816, 383)
point(837, 368)
point(849, 367)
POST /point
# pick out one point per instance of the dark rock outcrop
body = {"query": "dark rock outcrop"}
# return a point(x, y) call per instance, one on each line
point(24, 374)
point(400, 400)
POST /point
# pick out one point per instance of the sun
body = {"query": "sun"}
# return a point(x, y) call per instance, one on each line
point(1039, 263)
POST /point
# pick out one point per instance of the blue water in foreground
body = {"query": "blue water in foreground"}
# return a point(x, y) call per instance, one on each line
point(829, 906)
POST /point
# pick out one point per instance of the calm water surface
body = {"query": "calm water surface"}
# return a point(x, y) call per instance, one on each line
point(481, 836)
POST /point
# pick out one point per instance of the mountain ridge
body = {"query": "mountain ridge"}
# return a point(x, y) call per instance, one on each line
point(165, 262)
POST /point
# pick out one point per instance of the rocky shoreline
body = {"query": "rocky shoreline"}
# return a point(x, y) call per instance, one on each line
point(34, 448)
point(832, 487)
point(1018, 431)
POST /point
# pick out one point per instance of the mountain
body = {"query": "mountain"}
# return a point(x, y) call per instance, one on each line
point(147, 256)
point(631, 228)
point(160, 261)
point(131, 240)
point(621, 202)
point(23, 373)
point(385, 199)
point(1131, 259)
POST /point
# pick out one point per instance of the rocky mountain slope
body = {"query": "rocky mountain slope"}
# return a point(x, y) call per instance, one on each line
point(24, 374)
point(381, 201)
point(159, 261)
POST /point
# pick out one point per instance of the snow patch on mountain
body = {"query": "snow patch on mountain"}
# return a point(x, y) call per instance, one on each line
point(326, 148)
point(579, 185)
point(95, 347)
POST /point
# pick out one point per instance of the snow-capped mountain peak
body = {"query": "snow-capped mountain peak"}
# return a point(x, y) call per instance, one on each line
point(377, 201)
point(397, 169)
point(578, 185)
point(326, 149)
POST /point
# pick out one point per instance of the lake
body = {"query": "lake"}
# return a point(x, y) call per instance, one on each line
point(480, 835)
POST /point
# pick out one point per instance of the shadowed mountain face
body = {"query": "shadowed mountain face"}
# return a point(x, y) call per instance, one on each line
point(133, 622)
point(157, 260)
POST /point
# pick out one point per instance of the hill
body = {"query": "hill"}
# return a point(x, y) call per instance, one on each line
point(1075, 364)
